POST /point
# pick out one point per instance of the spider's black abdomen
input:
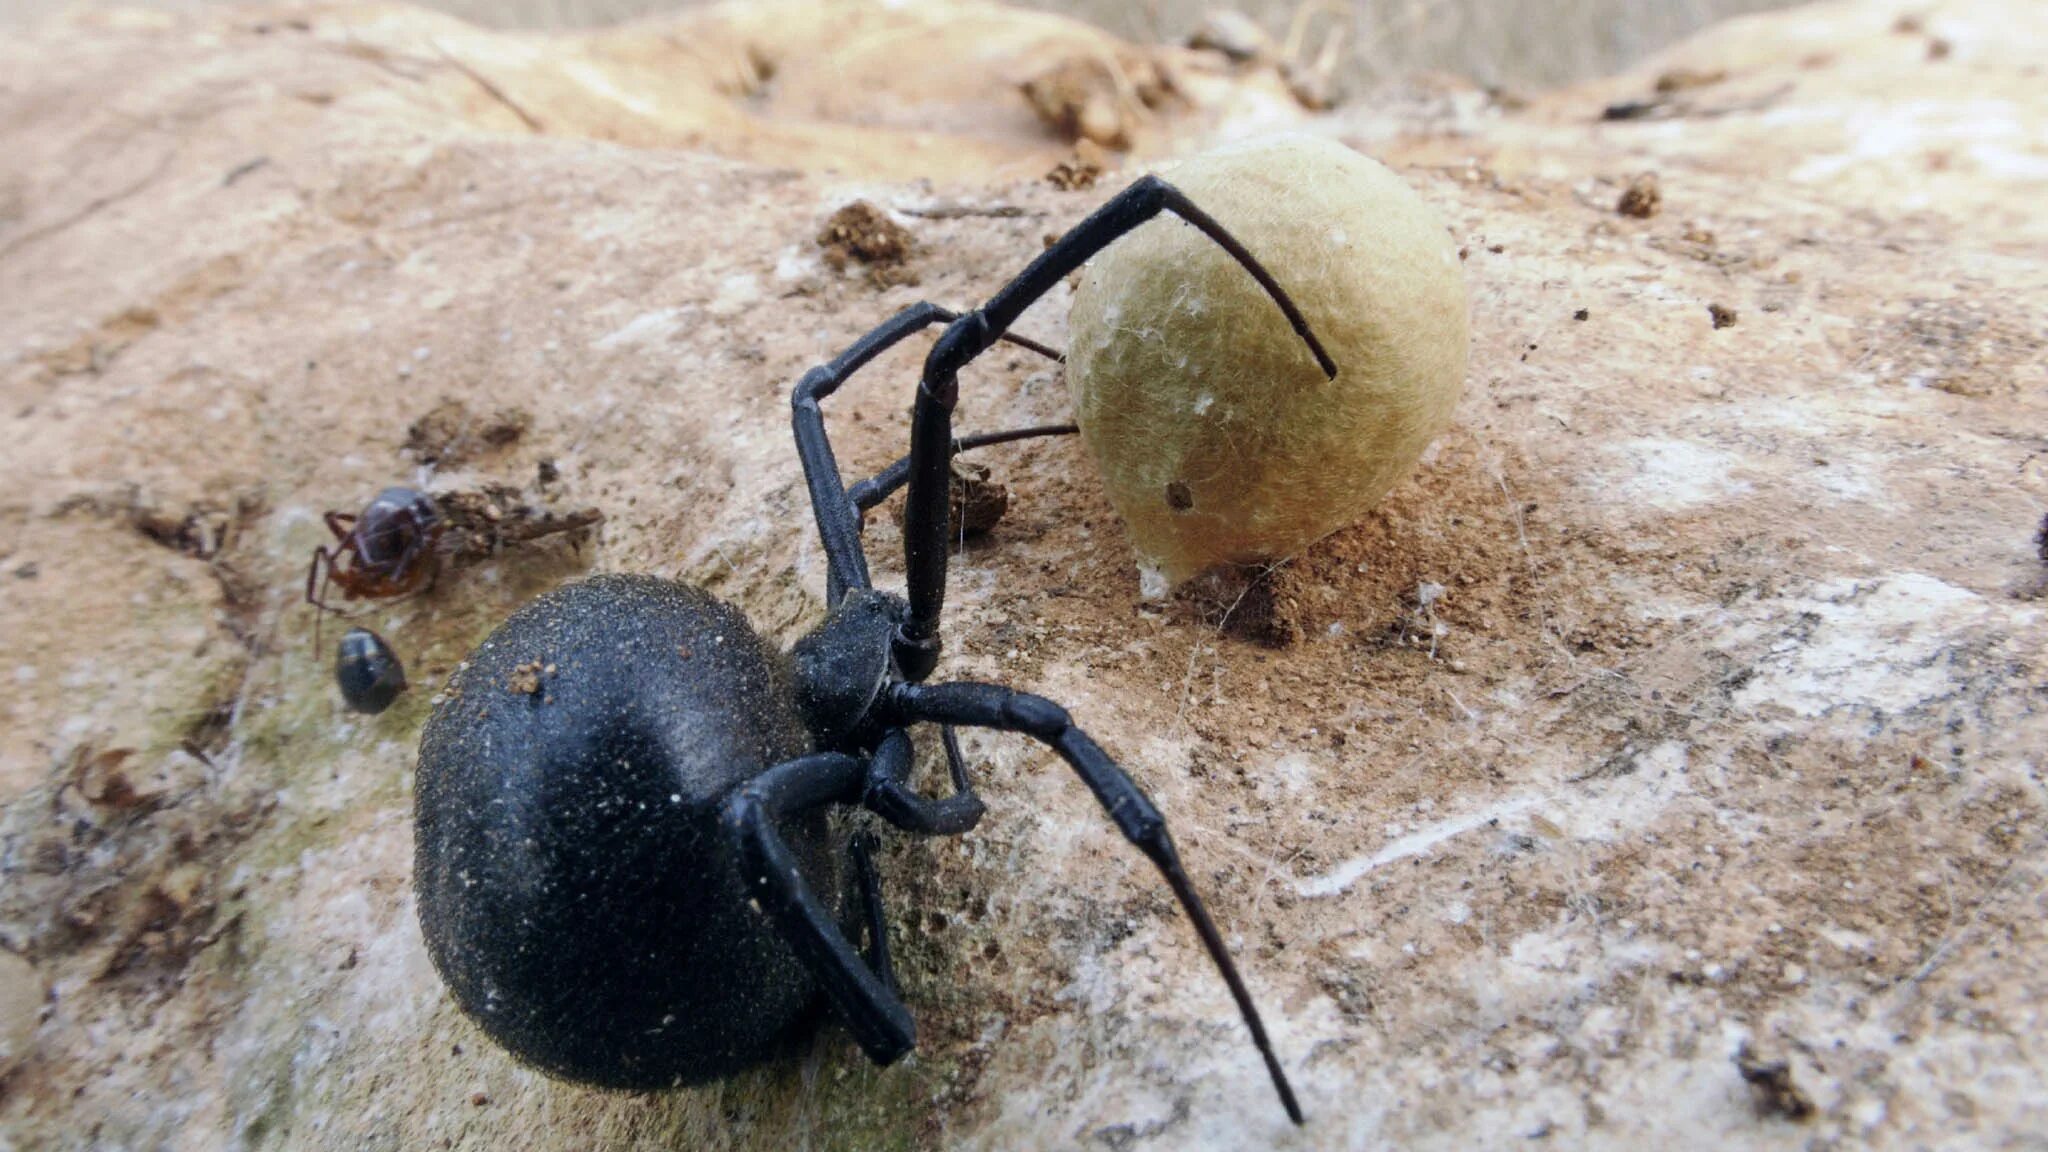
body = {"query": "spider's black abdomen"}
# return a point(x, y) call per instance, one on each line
point(573, 886)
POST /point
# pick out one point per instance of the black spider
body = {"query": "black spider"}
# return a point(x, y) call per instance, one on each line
point(625, 871)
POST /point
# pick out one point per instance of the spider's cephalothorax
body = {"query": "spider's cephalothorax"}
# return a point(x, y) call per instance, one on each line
point(625, 873)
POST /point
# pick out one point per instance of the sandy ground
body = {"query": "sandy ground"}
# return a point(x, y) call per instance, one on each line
point(1678, 725)
point(1516, 42)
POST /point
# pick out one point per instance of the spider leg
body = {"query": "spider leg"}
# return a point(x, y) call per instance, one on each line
point(879, 487)
point(339, 523)
point(319, 599)
point(880, 1024)
point(890, 796)
point(862, 851)
point(838, 520)
point(313, 577)
point(931, 429)
point(990, 706)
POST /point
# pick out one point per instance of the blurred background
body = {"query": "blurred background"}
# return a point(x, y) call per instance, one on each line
point(1512, 43)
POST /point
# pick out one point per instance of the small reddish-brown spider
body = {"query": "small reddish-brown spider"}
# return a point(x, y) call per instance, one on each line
point(387, 551)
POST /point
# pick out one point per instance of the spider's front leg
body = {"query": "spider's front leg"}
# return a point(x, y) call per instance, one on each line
point(925, 521)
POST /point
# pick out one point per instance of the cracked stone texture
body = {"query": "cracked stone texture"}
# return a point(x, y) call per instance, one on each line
point(1690, 696)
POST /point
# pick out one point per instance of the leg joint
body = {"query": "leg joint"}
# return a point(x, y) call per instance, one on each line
point(815, 382)
point(743, 819)
point(963, 340)
point(917, 656)
point(1036, 716)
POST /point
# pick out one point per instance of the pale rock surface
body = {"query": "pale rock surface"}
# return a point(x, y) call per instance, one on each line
point(1690, 696)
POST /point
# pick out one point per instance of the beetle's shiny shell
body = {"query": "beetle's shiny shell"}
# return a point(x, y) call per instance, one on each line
point(367, 671)
point(574, 889)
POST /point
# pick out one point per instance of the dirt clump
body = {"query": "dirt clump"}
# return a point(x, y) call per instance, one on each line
point(975, 500)
point(1081, 170)
point(1643, 198)
point(1722, 316)
point(480, 523)
point(449, 435)
point(1776, 1093)
point(862, 233)
point(202, 529)
point(200, 532)
point(526, 678)
point(1098, 99)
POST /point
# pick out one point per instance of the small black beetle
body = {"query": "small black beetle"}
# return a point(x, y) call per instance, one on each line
point(625, 872)
point(367, 671)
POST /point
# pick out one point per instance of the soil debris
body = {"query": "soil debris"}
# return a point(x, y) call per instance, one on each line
point(963, 210)
point(103, 778)
point(1632, 110)
point(200, 533)
point(1098, 99)
point(120, 866)
point(480, 523)
point(1081, 170)
point(1262, 605)
point(1681, 79)
point(202, 530)
point(1643, 198)
point(975, 502)
point(1776, 1094)
point(526, 678)
point(1722, 315)
point(862, 233)
point(450, 435)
